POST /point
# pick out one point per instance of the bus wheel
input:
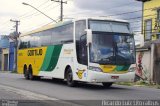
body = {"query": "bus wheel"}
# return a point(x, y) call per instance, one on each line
point(107, 84)
point(69, 77)
point(26, 75)
point(30, 74)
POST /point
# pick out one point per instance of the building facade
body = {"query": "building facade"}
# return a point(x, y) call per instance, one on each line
point(4, 54)
point(148, 56)
point(150, 19)
point(0, 59)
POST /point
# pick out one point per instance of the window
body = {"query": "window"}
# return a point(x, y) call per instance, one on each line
point(45, 38)
point(148, 29)
point(158, 15)
point(108, 26)
point(25, 42)
point(158, 20)
point(100, 26)
point(120, 27)
point(80, 29)
point(158, 23)
point(81, 41)
point(59, 35)
point(62, 35)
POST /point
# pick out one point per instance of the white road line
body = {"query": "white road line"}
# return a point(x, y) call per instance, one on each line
point(34, 96)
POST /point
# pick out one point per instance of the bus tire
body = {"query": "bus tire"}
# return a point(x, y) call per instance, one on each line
point(69, 78)
point(107, 84)
point(30, 73)
point(25, 72)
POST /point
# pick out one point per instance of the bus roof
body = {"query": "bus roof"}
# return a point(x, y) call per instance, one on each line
point(46, 27)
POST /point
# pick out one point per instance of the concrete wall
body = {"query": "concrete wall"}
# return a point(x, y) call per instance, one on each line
point(143, 60)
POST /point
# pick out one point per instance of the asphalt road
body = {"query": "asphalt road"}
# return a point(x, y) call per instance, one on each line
point(83, 94)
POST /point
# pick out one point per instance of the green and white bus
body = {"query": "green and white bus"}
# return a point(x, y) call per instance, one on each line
point(82, 50)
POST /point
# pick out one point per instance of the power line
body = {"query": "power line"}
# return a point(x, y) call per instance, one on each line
point(106, 8)
point(117, 14)
point(140, 17)
point(37, 7)
point(31, 15)
point(36, 14)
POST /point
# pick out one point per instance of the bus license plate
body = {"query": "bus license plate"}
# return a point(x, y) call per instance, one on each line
point(114, 77)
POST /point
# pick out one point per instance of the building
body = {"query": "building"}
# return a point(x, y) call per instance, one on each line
point(151, 19)
point(4, 54)
point(5, 59)
point(0, 59)
point(148, 55)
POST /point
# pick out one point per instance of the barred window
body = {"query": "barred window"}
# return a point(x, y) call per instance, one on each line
point(148, 29)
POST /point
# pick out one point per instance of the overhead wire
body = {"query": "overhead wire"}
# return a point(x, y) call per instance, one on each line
point(32, 10)
point(106, 9)
point(112, 14)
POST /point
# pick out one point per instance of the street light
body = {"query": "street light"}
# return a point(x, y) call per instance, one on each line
point(38, 10)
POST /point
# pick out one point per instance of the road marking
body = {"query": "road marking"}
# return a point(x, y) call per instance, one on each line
point(34, 96)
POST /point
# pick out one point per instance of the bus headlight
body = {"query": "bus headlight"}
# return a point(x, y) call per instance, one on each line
point(132, 69)
point(95, 69)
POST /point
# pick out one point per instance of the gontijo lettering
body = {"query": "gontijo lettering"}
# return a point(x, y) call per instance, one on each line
point(35, 52)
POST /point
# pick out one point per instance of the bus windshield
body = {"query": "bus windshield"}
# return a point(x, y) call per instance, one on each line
point(112, 48)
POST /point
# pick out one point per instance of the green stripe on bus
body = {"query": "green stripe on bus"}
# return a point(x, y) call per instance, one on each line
point(122, 68)
point(47, 58)
point(55, 57)
point(51, 58)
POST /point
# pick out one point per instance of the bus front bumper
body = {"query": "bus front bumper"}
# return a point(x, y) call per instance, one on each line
point(98, 77)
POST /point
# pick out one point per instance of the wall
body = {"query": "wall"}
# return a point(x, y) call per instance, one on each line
point(150, 12)
point(143, 60)
point(156, 69)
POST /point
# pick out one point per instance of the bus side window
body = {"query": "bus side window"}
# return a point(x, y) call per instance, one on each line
point(81, 42)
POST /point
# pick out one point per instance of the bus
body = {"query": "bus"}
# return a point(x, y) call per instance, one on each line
point(91, 50)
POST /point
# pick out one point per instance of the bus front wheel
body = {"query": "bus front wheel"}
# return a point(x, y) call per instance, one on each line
point(69, 77)
point(107, 84)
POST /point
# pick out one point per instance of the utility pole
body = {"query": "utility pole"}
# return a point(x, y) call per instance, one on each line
point(61, 2)
point(16, 35)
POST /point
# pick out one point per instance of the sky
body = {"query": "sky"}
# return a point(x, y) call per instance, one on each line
point(31, 19)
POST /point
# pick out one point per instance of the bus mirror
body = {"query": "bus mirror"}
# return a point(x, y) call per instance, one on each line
point(89, 36)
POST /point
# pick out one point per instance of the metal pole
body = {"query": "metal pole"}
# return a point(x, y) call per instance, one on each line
point(15, 44)
point(61, 19)
point(61, 8)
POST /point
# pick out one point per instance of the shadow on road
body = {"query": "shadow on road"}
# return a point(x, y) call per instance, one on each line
point(90, 86)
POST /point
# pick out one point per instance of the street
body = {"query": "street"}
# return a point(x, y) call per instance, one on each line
point(48, 89)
